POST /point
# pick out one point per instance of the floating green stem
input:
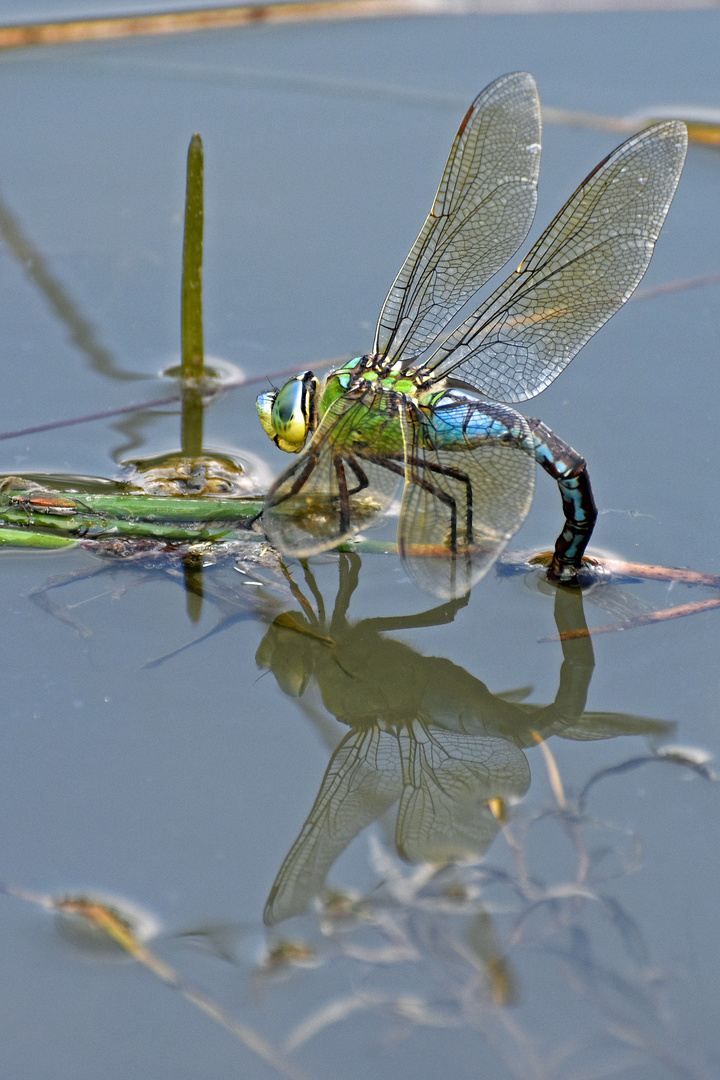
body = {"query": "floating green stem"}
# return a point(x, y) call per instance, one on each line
point(30, 538)
point(47, 520)
point(143, 507)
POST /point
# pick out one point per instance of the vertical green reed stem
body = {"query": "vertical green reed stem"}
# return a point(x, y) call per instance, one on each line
point(193, 360)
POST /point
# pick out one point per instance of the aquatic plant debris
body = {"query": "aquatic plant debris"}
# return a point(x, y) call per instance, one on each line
point(109, 917)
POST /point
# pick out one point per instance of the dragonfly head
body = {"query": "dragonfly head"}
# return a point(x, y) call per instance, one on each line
point(289, 415)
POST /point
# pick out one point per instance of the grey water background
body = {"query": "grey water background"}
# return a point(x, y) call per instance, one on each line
point(183, 786)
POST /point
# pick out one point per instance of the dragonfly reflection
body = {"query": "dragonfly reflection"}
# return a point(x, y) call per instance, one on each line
point(469, 465)
point(423, 733)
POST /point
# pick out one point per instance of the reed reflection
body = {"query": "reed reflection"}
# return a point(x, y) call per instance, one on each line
point(423, 733)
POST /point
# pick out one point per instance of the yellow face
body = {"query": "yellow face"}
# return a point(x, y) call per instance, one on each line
point(289, 415)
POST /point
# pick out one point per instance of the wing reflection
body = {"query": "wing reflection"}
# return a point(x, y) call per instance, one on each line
point(424, 733)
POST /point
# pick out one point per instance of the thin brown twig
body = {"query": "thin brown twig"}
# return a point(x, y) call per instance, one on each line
point(660, 573)
point(155, 403)
point(70, 31)
point(666, 614)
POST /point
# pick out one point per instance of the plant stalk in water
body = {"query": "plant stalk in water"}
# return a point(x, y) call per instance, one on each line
point(191, 320)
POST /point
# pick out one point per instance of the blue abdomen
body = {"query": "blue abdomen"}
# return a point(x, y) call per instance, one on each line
point(453, 421)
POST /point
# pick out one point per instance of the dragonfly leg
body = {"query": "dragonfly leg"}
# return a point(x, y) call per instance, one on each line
point(360, 475)
point(298, 483)
point(444, 497)
point(569, 469)
point(343, 494)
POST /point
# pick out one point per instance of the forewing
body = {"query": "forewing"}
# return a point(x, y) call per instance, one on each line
point(481, 214)
point(330, 491)
point(581, 270)
point(460, 507)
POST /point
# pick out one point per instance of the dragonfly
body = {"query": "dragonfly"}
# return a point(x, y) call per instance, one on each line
point(430, 406)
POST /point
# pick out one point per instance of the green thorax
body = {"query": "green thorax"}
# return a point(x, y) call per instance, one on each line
point(365, 372)
point(381, 392)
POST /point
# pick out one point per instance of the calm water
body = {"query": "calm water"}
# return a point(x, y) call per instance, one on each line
point(583, 945)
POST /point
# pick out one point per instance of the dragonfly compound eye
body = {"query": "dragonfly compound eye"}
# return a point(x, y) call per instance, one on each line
point(290, 415)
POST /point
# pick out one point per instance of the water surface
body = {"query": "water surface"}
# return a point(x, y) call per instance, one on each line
point(184, 785)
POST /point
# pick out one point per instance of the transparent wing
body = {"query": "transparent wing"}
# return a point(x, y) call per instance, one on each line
point(330, 491)
point(581, 270)
point(448, 778)
point(460, 507)
point(481, 214)
point(361, 782)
